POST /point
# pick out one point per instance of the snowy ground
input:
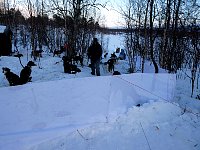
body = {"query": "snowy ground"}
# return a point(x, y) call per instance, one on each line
point(59, 111)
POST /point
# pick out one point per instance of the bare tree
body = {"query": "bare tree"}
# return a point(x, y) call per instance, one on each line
point(195, 59)
point(32, 24)
point(151, 36)
point(76, 15)
point(129, 37)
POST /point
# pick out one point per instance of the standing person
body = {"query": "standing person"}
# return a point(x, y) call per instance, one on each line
point(94, 54)
point(69, 49)
point(65, 48)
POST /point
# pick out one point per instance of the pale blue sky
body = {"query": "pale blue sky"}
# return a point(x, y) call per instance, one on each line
point(112, 17)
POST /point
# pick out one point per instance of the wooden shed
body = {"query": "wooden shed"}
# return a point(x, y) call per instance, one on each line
point(5, 41)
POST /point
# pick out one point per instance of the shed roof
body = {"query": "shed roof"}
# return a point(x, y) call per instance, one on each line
point(2, 28)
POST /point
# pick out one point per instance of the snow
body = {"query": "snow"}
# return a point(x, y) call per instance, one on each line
point(59, 111)
point(40, 109)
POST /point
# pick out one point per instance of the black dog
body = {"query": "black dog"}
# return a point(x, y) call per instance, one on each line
point(116, 73)
point(25, 74)
point(12, 78)
point(58, 52)
point(74, 69)
point(69, 67)
point(113, 56)
point(111, 63)
point(78, 58)
point(105, 55)
point(18, 55)
point(36, 54)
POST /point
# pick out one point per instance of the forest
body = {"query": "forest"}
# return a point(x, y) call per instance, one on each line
point(166, 32)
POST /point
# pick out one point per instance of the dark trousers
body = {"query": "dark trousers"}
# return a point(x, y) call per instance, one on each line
point(95, 66)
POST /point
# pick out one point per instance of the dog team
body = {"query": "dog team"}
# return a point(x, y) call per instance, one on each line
point(69, 63)
point(25, 75)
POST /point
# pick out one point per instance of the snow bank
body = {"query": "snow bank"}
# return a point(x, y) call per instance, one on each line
point(154, 86)
point(33, 113)
point(165, 127)
point(155, 125)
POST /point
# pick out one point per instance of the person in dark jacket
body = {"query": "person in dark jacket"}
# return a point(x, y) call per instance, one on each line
point(94, 54)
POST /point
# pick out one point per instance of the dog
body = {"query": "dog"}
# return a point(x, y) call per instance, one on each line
point(12, 78)
point(69, 67)
point(114, 57)
point(18, 55)
point(74, 69)
point(78, 58)
point(117, 50)
point(105, 55)
point(36, 54)
point(25, 74)
point(111, 63)
point(116, 73)
point(58, 52)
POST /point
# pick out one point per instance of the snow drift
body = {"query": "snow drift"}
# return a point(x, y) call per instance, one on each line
point(33, 113)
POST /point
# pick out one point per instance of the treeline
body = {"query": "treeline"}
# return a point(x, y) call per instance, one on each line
point(71, 22)
point(165, 32)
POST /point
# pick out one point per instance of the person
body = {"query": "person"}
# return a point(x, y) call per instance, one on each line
point(122, 55)
point(65, 48)
point(94, 54)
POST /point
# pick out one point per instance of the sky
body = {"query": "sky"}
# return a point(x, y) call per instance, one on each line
point(110, 15)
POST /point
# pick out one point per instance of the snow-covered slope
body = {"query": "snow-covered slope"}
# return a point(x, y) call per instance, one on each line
point(154, 126)
point(40, 112)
